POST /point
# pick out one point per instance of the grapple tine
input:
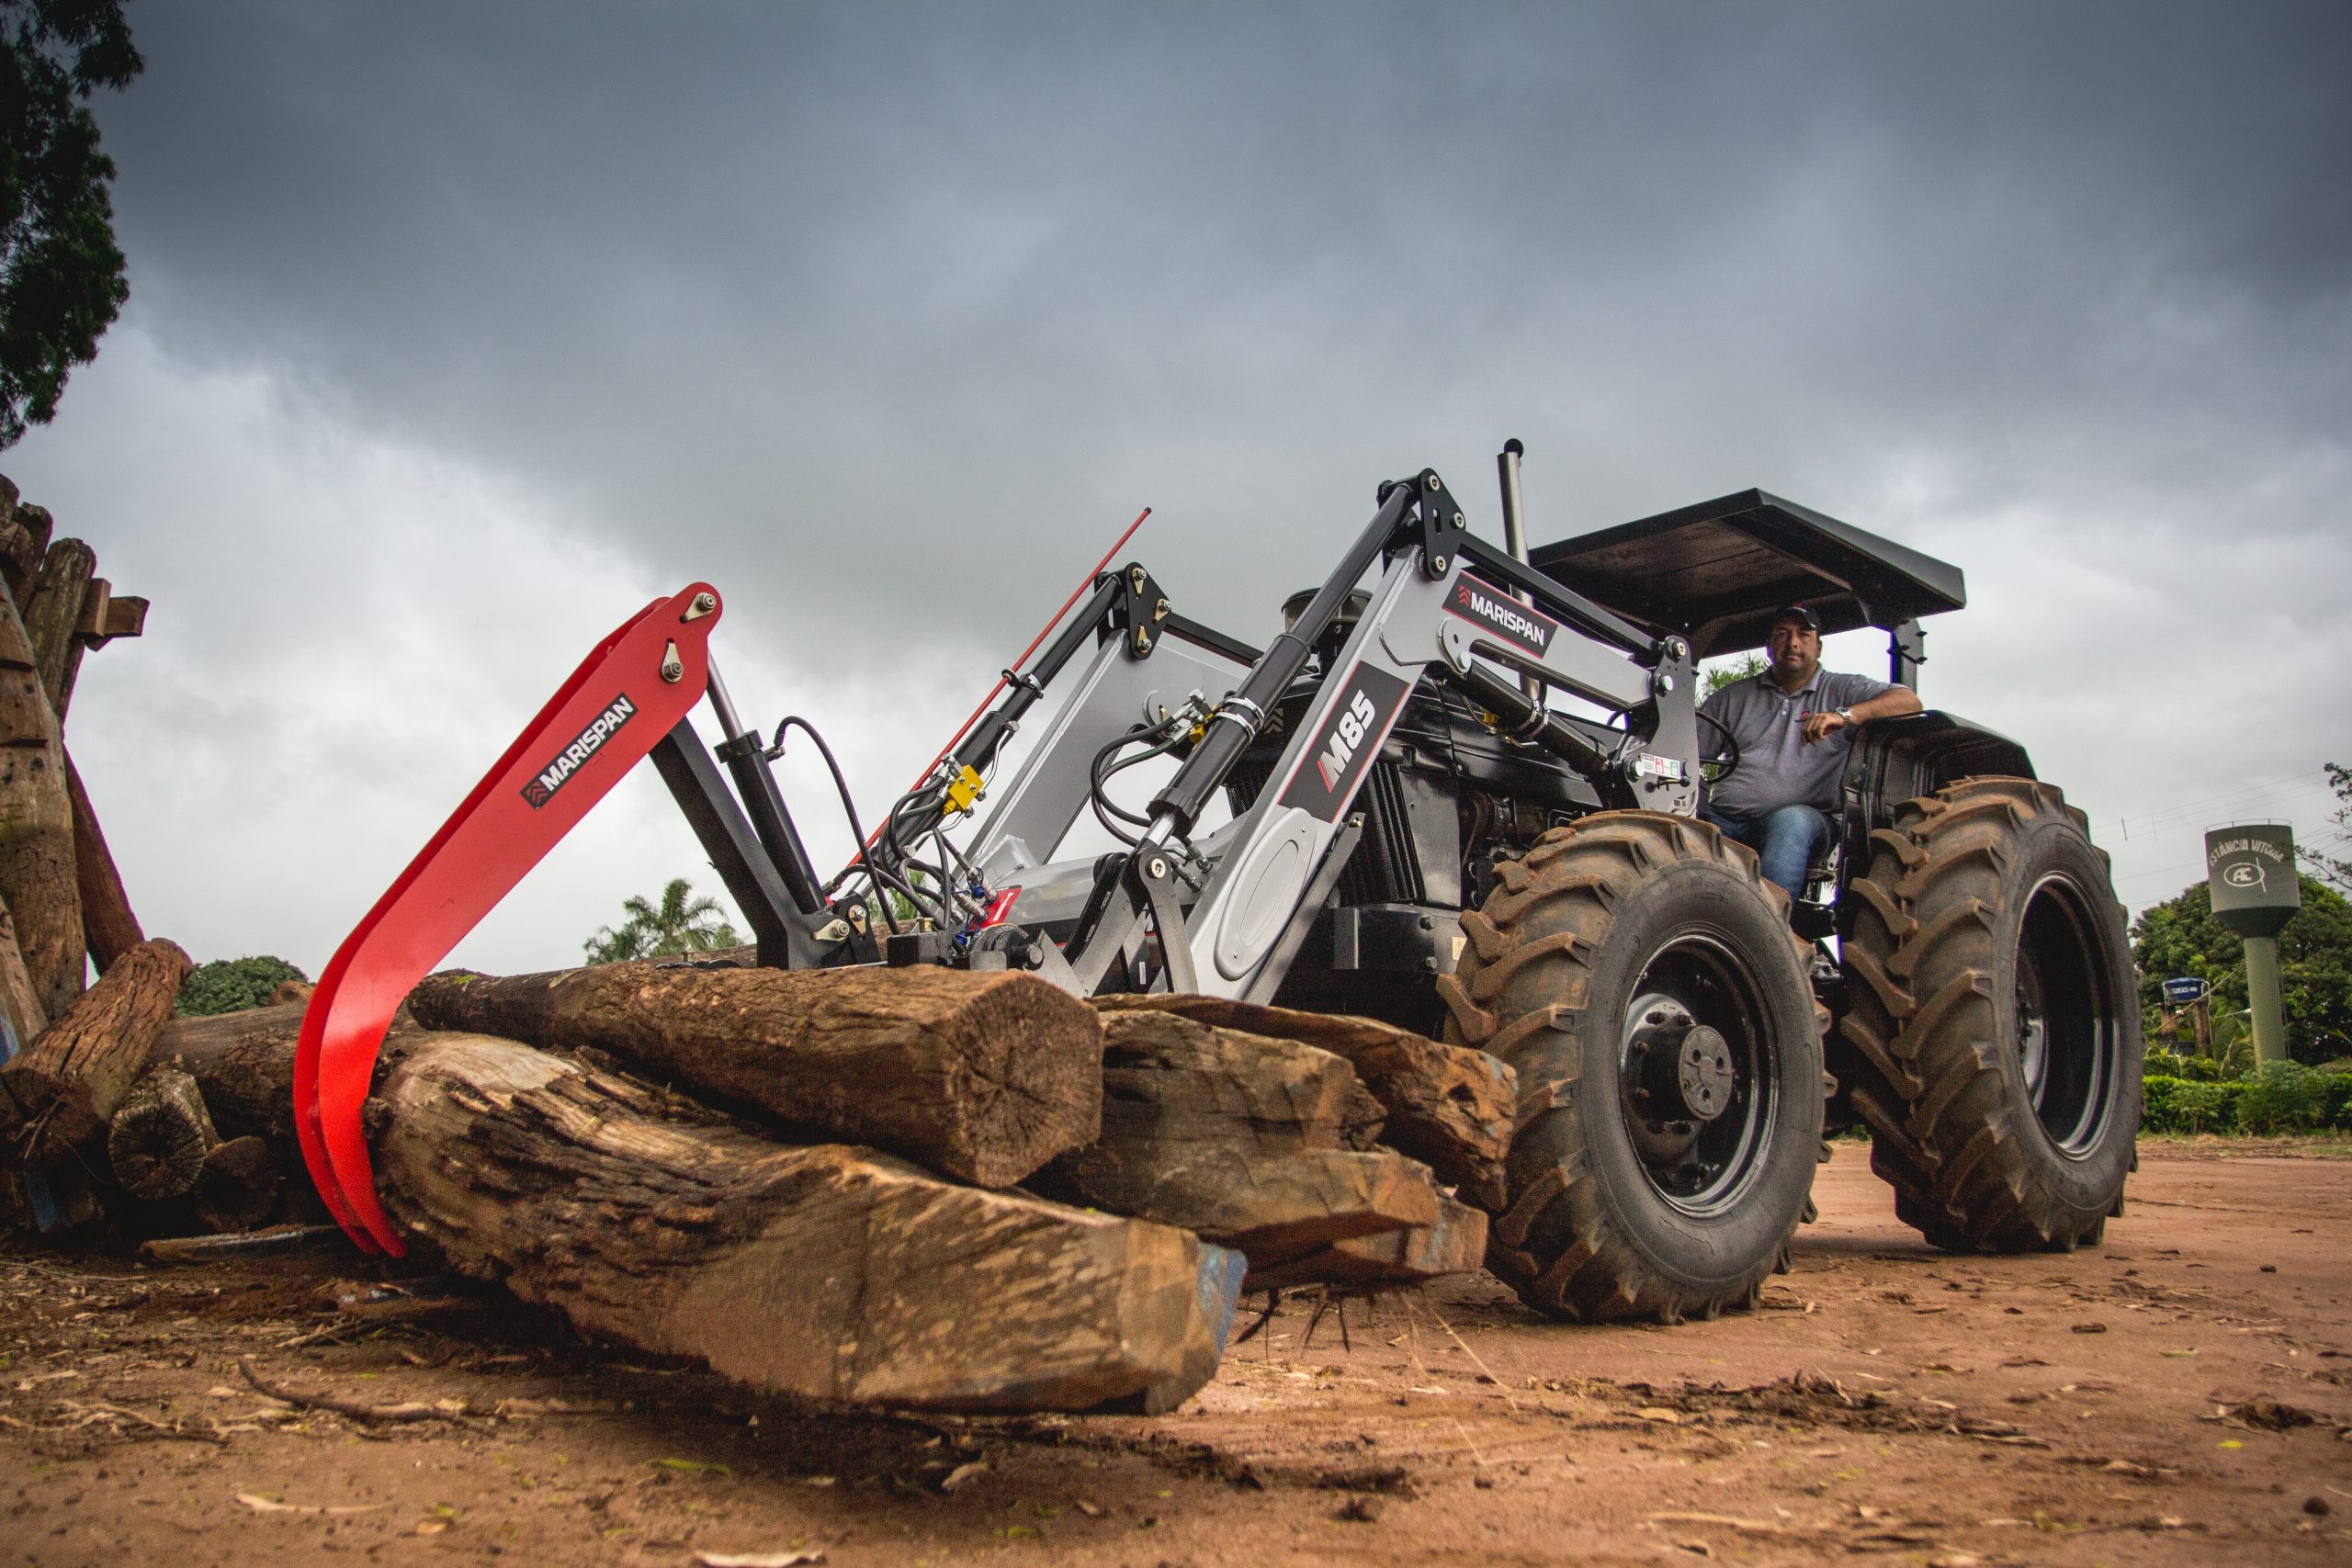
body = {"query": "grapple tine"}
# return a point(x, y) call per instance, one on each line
point(623, 697)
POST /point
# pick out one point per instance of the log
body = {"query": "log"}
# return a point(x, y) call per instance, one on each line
point(1450, 1107)
point(243, 1064)
point(237, 1187)
point(1169, 1079)
point(109, 926)
point(983, 1077)
point(1236, 1137)
point(1455, 1245)
point(25, 1015)
point(53, 615)
point(160, 1136)
point(828, 1272)
point(37, 872)
point(57, 1099)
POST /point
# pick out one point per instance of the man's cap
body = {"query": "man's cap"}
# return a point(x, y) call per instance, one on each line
point(1803, 615)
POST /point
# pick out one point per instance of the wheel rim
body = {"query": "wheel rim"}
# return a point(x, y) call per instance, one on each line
point(2068, 1033)
point(1702, 1166)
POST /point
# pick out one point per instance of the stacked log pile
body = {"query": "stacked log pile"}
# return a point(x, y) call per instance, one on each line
point(67, 1058)
point(914, 1186)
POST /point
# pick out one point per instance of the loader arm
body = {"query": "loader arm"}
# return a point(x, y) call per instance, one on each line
point(1430, 613)
point(623, 700)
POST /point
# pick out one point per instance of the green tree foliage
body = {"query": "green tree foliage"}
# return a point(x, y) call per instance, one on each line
point(2180, 937)
point(679, 923)
point(62, 275)
point(2334, 868)
point(1715, 677)
point(232, 984)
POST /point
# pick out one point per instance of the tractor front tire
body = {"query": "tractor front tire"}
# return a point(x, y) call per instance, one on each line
point(1992, 999)
point(1640, 978)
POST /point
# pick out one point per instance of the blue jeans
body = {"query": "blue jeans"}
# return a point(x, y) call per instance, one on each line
point(1784, 839)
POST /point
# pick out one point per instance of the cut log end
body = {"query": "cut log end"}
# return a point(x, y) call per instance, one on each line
point(160, 1136)
point(238, 1186)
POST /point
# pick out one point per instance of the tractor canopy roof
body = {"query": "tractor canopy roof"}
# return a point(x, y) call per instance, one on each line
point(1718, 570)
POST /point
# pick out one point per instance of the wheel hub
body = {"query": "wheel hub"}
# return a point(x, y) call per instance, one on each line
point(1681, 1069)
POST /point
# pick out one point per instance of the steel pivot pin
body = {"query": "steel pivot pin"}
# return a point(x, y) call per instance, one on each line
point(674, 668)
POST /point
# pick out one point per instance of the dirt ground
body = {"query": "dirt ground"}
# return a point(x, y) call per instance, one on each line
point(2178, 1395)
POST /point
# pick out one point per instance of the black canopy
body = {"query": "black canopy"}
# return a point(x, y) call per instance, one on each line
point(1718, 570)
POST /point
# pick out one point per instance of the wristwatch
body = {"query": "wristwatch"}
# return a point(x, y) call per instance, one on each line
point(1846, 715)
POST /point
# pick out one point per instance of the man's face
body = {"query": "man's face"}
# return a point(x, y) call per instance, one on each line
point(1796, 651)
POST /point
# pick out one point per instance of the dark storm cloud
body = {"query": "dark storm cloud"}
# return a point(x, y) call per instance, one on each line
point(729, 281)
point(456, 330)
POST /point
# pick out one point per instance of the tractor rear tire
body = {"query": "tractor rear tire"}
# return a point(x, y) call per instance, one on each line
point(1992, 999)
point(1591, 970)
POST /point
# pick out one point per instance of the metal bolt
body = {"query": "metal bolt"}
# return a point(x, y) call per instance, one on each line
point(703, 605)
point(1458, 523)
point(1431, 481)
point(1155, 868)
point(674, 668)
point(1143, 641)
point(1665, 681)
point(1437, 563)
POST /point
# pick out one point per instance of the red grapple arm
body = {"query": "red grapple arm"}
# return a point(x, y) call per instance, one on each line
point(616, 706)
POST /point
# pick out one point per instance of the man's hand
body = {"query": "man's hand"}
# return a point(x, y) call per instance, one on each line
point(1893, 702)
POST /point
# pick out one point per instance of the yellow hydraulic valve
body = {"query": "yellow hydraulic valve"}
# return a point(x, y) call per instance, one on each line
point(963, 790)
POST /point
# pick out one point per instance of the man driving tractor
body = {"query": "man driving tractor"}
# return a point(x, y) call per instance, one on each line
point(1790, 728)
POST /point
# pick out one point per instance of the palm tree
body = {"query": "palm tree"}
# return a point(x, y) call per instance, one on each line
point(681, 923)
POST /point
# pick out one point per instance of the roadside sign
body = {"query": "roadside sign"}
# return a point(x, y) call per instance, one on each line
point(2252, 873)
point(2180, 993)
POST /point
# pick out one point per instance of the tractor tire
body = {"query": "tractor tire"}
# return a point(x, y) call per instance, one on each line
point(1640, 976)
point(1991, 997)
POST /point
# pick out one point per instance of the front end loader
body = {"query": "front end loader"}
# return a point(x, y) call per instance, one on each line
point(1458, 791)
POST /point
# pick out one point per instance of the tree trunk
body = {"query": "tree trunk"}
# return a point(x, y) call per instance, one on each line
point(36, 874)
point(827, 1272)
point(160, 1136)
point(238, 1185)
point(982, 1076)
point(58, 1097)
point(108, 924)
point(26, 1017)
point(1237, 1137)
point(1450, 1107)
point(52, 613)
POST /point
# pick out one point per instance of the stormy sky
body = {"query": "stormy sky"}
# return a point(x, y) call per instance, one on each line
point(459, 331)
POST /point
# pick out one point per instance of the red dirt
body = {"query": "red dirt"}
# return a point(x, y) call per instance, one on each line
point(2097, 1407)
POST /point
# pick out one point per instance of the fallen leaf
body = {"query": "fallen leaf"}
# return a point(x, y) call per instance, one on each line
point(1091, 1510)
point(695, 1466)
point(430, 1527)
point(964, 1475)
point(757, 1559)
point(2090, 1328)
point(1660, 1413)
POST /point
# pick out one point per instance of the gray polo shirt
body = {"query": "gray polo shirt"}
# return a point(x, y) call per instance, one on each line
point(1776, 767)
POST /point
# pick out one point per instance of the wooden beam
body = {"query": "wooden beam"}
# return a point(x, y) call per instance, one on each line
point(109, 926)
point(38, 879)
point(52, 612)
point(1234, 1137)
point(1448, 1106)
